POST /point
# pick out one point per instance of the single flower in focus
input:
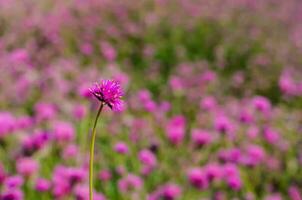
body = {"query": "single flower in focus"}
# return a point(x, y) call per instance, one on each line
point(110, 93)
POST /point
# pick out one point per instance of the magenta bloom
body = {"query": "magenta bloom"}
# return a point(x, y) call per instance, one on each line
point(171, 191)
point(110, 93)
point(7, 123)
point(81, 192)
point(27, 166)
point(213, 171)
point(45, 111)
point(274, 196)
point(234, 183)
point(168, 191)
point(147, 158)
point(121, 148)
point(13, 182)
point(130, 182)
point(79, 112)
point(64, 132)
point(2, 174)
point(70, 151)
point(108, 51)
point(42, 185)
point(294, 193)
point(262, 104)
point(232, 176)
point(15, 194)
point(271, 136)
point(255, 155)
point(223, 124)
point(201, 137)
point(231, 155)
point(175, 129)
point(104, 175)
point(197, 178)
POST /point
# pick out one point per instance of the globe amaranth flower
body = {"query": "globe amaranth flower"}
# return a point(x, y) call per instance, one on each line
point(42, 185)
point(197, 178)
point(27, 166)
point(110, 93)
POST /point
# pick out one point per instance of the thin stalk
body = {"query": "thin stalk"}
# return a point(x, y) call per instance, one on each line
point(92, 152)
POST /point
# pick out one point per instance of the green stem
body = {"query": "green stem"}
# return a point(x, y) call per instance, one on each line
point(92, 153)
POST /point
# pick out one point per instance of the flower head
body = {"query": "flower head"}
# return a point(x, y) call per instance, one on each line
point(12, 194)
point(175, 129)
point(27, 166)
point(197, 178)
point(130, 182)
point(110, 93)
point(42, 185)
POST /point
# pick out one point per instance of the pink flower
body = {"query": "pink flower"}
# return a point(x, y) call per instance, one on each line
point(262, 104)
point(165, 106)
point(271, 136)
point(294, 193)
point(234, 182)
point(7, 123)
point(75, 175)
point(70, 151)
point(150, 106)
point(255, 154)
point(27, 166)
point(175, 129)
point(104, 175)
point(42, 185)
point(110, 93)
point(275, 196)
point(246, 117)
point(198, 178)
point(144, 95)
point(37, 141)
point(176, 83)
point(213, 171)
point(79, 112)
point(168, 191)
point(24, 122)
point(130, 182)
point(208, 76)
point(232, 176)
point(64, 132)
point(232, 155)
point(147, 158)
point(82, 193)
point(14, 181)
point(2, 174)
point(121, 148)
point(208, 103)
point(15, 194)
point(108, 51)
point(64, 178)
point(19, 56)
point(171, 191)
point(253, 132)
point(230, 170)
point(223, 124)
point(86, 48)
point(45, 111)
point(201, 137)
point(287, 84)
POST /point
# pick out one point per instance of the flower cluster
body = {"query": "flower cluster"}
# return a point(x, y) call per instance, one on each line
point(211, 108)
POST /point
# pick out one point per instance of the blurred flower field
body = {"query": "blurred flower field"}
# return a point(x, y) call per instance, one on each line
point(213, 99)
